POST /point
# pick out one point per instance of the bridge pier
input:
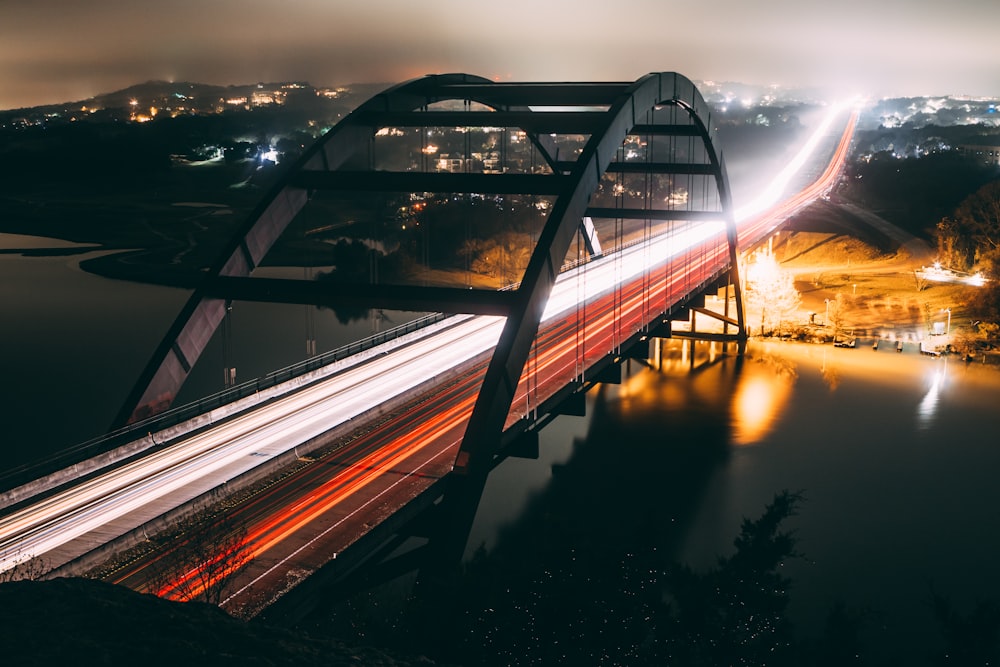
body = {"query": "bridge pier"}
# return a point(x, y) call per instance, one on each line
point(697, 307)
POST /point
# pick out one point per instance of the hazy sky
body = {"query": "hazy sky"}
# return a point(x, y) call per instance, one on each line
point(62, 50)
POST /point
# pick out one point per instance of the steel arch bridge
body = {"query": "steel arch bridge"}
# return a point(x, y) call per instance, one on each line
point(662, 115)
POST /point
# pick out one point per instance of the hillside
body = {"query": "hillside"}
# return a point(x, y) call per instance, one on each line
point(81, 621)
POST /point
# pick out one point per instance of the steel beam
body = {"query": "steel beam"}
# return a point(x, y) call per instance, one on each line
point(416, 181)
point(540, 94)
point(676, 130)
point(413, 298)
point(654, 214)
point(640, 167)
point(539, 122)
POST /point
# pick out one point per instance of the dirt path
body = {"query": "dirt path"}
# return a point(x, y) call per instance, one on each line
point(918, 249)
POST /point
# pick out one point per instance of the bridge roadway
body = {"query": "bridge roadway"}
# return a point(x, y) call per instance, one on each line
point(320, 514)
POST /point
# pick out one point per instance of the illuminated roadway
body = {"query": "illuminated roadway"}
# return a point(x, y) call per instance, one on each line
point(622, 293)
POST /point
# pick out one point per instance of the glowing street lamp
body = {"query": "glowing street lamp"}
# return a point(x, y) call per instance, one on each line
point(948, 328)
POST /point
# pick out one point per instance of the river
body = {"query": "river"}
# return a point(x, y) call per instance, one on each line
point(895, 454)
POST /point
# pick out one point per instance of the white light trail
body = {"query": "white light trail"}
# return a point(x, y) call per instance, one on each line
point(773, 193)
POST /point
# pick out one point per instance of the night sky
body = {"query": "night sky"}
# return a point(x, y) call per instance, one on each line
point(61, 50)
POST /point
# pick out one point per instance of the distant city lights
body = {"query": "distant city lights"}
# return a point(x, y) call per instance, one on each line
point(269, 155)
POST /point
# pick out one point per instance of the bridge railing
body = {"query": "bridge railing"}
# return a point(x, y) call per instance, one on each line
point(180, 414)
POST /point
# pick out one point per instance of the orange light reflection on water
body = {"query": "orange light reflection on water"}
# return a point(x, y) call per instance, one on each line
point(759, 400)
point(704, 379)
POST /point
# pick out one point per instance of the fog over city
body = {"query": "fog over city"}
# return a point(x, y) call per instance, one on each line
point(54, 51)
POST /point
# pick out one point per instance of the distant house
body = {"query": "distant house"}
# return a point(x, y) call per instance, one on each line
point(987, 154)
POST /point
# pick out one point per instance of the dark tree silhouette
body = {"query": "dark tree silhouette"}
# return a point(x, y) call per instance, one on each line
point(970, 639)
point(970, 238)
point(735, 613)
point(200, 562)
point(25, 568)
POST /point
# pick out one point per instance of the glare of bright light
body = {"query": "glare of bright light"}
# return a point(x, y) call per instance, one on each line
point(270, 154)
point(773, 193)
point(929, 404)
point(624, 266)
point(976, 280)
point(764, 269)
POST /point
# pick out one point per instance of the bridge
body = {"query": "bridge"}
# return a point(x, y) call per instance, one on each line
point(621, 193)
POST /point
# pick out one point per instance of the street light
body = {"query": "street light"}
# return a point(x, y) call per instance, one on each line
point(826, 321)
point(948, 328)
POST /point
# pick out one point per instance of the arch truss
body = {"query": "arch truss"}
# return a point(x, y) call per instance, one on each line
point(657, 129)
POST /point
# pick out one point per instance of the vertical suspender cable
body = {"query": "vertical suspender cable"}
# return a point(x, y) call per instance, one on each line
point(583, 315)
point(310, 315)
point(647, 224)
point(466, 168)
point(229, 372)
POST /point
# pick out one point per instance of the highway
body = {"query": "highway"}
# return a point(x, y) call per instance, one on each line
point(621, 292)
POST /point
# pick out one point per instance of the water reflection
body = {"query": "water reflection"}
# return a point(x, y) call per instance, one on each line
point(757, 404)
point(929, 404)
point(28, 244)
point(709, 379)
point(830, 373)
point(74, 344)
point(762, 394)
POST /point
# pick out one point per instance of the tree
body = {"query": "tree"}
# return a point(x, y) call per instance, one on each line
point(770, 291)
point(505, 256)
point(971, 237)
point(838, 312)
point(21, 567)
point(970, 639)
point(736, 613)
point(965, 342)
point(203, 558)
point(955, 248)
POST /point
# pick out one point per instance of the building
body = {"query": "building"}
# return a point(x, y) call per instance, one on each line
point(986, 154)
